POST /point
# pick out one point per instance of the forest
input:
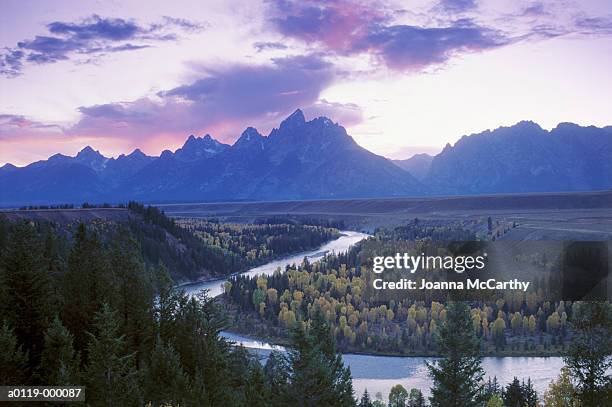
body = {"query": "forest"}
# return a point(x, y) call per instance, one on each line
point(365, 321)
point(212, 251)
point(197, 249)
point(83, 311)
point(86, 310)
point(256, 244)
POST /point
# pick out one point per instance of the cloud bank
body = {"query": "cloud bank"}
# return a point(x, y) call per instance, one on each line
point(94, 36)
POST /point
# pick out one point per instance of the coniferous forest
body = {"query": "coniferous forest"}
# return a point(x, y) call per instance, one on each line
point(88, 305)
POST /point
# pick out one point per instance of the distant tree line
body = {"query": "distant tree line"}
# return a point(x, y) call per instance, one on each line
point(211, 250)
point(35, 207)
point(259, 243)
point(301, 220)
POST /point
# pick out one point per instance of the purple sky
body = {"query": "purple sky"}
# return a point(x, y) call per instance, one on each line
point(402, 76)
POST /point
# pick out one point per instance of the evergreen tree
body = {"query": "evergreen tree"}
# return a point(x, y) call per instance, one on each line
point(165, 382)
point(239, 364)
point(55, 266)
point(491, 388)
point(589, 356)
point(277, 378)
point(531, 396)
point(310, 377)
point(205, 355)
point(365, 399)
point(320, 332)
point(257, 393)
point(513, 394)
point(86, 286)
point(59, 363)
point(27, 288)
point(457, 376)
point(13, 359)
point(110, 373)
point(133, 294)
point(398, 396)
point(317, 373)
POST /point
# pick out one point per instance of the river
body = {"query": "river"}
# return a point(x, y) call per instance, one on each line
point(341, 244)
point(380, 373)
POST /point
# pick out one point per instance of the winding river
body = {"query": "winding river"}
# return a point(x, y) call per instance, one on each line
point(378, 374)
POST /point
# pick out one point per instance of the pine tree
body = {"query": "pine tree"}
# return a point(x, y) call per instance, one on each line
point(276, 372)
point(257, 393)
point(365, 399)
point(491, 388)
point(59, 363)
point(27, 287)
point(317, 373)
point(165, 382)
point(589, 356)
point(133, 293)
point(531, 396)
point(205, 355)
point(239, 364)
point(86, 286)
point(13, 359)
point(310, 376)
point(110, 373)
point(513, 394)
point(55, 266)
point(321, 334)
point(456, 377)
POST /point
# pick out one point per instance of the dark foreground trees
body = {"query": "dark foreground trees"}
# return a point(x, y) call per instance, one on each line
point(590, 353)
point(457, 377)
point(316, 373)
point(110, 322)
point(104, 327)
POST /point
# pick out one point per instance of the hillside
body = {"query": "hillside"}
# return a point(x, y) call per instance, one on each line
point(189, 250)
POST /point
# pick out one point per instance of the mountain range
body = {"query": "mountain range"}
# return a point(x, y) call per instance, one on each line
point(317, 159)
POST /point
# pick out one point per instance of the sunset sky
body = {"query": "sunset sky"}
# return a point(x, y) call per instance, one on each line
point(402, 76)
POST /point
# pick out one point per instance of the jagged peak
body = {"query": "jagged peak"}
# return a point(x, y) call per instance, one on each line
point(89, 152)
point(294, 119)
point(207, 140)
point(324, 120)
point(249, 133)
point(190, 140)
